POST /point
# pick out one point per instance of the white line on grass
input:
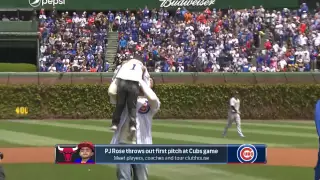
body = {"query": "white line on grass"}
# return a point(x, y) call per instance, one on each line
point(160, 135)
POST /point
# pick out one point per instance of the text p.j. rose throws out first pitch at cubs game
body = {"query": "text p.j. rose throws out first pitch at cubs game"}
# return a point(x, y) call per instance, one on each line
point(164, 154)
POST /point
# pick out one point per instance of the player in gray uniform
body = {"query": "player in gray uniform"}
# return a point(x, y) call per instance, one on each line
point(234, 114)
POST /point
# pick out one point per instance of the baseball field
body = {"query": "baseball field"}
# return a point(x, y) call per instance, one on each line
point(28, 147)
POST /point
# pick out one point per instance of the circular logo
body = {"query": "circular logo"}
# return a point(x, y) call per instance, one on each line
point(247, 153)
point(34, 3)
point(145, 108)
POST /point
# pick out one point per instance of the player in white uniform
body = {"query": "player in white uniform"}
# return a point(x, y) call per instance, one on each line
point(234, 114)
point(127, 81)
point(147, 107)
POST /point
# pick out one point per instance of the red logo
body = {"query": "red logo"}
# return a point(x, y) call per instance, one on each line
point(67, 152)
point(247, 153)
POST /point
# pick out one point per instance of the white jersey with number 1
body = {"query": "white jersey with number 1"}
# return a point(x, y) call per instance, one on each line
point(146, 109)
point(131, 70)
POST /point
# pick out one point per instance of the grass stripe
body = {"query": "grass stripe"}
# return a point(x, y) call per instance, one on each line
point(270, 172)
point(290, 138)
point(308, 130)
point(183, 172)
point(246, 123)
point(249, 123)
point(250, 137)
point(176, 172)
point(97, 137)
point(11, 144)
point(284, 122)
point(161, 135)
point(269, 123)
point(76, 135)
point(259, 131)
point(166, 172)
point(30, 139)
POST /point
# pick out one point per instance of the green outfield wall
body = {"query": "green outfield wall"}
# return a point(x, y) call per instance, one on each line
point(197, 101)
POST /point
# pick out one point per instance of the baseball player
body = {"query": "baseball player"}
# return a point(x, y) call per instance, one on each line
point(148, 105)
point(127, 80)
point(234, 114)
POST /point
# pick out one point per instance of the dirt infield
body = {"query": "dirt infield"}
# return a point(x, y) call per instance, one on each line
point(275, 156)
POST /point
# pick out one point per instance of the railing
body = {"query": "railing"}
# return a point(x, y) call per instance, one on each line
point(184, 78)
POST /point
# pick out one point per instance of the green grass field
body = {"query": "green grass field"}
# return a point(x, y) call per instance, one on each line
point(291, 134)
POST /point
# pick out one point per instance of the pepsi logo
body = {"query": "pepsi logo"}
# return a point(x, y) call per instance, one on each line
point(247, 153)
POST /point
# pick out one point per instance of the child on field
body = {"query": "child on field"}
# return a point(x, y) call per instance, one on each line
point(125, 87)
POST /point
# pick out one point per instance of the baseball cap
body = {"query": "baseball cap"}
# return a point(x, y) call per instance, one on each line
point(86, 144)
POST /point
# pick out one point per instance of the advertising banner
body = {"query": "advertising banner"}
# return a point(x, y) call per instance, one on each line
point(105, 5)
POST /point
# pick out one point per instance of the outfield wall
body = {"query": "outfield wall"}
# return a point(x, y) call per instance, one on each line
point(186, 101)
point(164, 78)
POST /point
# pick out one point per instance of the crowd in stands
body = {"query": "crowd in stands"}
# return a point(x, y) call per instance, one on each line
point(249, 40)
point(72, 42)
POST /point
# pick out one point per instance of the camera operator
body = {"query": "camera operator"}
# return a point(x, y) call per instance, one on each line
point(2, 175)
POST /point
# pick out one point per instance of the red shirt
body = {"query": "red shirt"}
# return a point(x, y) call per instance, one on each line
point(217, 29)
point(201, 19)
point(207, 11)
point(303, 27)
point(93, 70)
point(138, 48)
point(267, 45)
point(90, 20)
point(69, 20)
point(248, 45)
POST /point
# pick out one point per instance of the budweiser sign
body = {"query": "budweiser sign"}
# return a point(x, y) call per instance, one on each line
point(185, 3)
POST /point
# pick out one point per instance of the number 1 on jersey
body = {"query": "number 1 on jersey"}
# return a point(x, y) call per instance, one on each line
point(134, 66)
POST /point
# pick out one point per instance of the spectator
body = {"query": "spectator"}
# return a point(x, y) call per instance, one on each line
point(72, 42)
point(214, 41)
point(122, 44)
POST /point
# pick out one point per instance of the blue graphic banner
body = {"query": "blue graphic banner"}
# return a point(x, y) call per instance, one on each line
point(180, 154)
point(317, 117)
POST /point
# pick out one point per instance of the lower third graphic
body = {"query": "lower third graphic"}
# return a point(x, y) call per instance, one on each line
point(247, 153)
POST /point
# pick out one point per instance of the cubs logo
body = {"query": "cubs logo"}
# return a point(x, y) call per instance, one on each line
point(145, 108)
point(247, 153)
